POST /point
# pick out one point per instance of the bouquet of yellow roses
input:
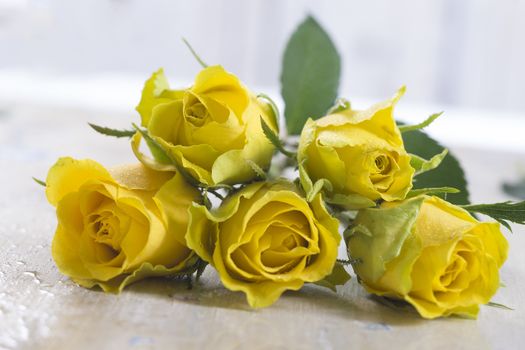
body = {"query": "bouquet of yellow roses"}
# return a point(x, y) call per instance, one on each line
point(205, 192)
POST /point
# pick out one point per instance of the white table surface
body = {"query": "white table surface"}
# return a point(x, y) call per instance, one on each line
point(41, 309)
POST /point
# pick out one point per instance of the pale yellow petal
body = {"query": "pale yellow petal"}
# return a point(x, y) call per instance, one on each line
point(139, 177)
point(155, 92)
point(174, 200)
point(68, 174)
point(214, 82)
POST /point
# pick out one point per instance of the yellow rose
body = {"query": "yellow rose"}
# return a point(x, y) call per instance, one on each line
point(266, 239)
point(359, 152)
point(430, 253)
point(211, 129)
point(119, 227)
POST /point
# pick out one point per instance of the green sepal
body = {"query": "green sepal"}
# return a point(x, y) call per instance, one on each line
point(502, 212)
point(112, 132)
point(350, 201)
point(260, 173)
point(338, 277)
point(40, 182)
point(347, 202)
point(422, 165)
point(312, 189)
point(352, 229)
point(200, 267)
point(378, 234)
point(304, 179)
point(424, 124)
point(317, 187)
point(275, 140)
point(219, 187)
point(346, 262)
point(431, 191)
point(157, 151)
point(499, 306)
point(273, 106)
point(341, 104)
point(162, 156)
point(206, 200)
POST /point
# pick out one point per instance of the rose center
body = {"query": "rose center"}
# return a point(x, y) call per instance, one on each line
point(382, 164)
point(106, 230)
point(290, 242)
point(452, 276)
point(197, 114)
point(283, 247)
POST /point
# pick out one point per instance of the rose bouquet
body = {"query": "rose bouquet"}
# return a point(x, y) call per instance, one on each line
point(205, 192)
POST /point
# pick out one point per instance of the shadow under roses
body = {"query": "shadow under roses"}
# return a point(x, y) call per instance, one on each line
point(350, 302)
point(207, 291)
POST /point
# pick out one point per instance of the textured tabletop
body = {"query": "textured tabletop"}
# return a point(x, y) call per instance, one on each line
point(41, 309)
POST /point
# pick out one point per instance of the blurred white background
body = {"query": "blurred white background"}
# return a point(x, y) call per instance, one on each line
point(455, 55)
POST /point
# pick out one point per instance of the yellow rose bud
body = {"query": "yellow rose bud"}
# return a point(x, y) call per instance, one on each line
point(266, 239)
point(119, 226)
point(359, 152)
point(430, 253)
point(211, 129)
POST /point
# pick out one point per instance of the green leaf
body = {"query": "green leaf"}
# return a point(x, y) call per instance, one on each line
point(502, 212)
point(338, 277)
point(515, 189)
point(40, 182)
point(424, 124)
point(431, 191)
point(275, 140)
point(195, 55)
point(499, 306)
point(261, 174)
point(112, 132)
point(310, 75)
point(449, 173)
point(422, 165)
